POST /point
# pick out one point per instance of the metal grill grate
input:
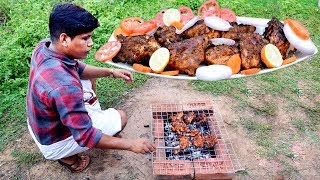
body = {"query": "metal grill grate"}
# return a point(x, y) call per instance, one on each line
point(191, 160)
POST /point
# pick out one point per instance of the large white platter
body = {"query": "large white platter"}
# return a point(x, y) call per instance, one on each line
point(262, 23)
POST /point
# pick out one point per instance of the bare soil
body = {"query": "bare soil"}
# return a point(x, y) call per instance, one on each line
point(114, 164)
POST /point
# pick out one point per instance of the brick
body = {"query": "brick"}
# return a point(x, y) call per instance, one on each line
point(173, 167)
point(158, 129)
point(213, 168)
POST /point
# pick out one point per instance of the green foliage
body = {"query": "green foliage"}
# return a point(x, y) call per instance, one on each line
point(26, 158)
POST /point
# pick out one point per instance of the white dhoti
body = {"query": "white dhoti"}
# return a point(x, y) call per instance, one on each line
point(108, 121)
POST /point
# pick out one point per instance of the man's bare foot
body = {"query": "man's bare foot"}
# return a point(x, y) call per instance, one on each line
point(75, 163)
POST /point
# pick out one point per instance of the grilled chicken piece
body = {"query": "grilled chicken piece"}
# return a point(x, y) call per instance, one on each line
point(220, 54)
point(136, 49)
point(237, 30)
point(187, 55)
point(198, 29)
point(202, 118)
point(194, 132)
point(188, 118)
point(198, 141)
point(184, 142)
point(178, 117)
point(179, 127)
point(210, 140)
point(166, 35)
point(275, 35)
point(250, 49)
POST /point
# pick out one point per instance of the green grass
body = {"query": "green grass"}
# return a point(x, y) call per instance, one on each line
point(26, 158)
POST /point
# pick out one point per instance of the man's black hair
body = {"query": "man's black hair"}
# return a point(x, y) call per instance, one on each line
point(72, 20)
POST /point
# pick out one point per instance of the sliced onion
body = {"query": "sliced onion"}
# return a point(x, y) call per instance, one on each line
point(213, 72)
point(260, 30)
point(217, 23)
point(253, 21)
point(188, 24)
point(220, 41)
point(304, 46)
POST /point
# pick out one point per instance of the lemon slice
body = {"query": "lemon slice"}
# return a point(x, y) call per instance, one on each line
point(159, 59)
point(170, 16)
point(271, 56)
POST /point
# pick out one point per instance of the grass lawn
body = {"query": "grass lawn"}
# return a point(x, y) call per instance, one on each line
point(294, 89)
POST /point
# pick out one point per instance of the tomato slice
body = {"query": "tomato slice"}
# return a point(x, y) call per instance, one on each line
point(129, 24)
point(118, 31)
point(144, 27)
point(298, 28)
point(108, 51)
point(228, 15)
point(209, 8)
point(186, 14)
point(158, 19)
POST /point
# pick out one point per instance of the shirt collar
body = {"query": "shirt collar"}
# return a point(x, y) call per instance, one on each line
point(55, 55)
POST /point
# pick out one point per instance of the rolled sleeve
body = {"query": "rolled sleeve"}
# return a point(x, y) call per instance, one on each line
point(68, 101)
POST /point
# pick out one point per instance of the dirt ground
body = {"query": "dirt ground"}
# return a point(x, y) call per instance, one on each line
point(124, 165)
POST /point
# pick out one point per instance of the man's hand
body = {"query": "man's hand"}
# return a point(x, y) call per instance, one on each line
point(124, 74)
point(141, 146)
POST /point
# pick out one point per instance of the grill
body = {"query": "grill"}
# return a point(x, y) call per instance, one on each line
point(212, 158)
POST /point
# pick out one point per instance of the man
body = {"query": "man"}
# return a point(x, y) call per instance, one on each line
point(57, 118)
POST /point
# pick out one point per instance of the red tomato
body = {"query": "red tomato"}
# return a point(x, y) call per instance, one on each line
point(118, 31)
point(228, 15)
point(209, 8)
point(129, 24)
point(186, 14)
point(108, 51)
point(144, 27)
point(158, 18)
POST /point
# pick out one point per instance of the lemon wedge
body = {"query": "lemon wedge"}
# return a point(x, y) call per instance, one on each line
point(271, 56)
point(170, 16)
point(159, 59)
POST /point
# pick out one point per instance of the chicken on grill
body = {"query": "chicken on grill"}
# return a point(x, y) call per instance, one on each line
point(210, 140)
point(220, 54)
point(187, 55)
point(237, 30)
point(166, 35)
point(184, 142)
point(198, 141)
point(275, 35)
point(188, 118)
point(136, 49)
point(250, 48)
point(202, 118)
point(199, 29)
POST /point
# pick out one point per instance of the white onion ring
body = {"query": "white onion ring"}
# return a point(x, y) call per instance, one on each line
point(213, 72)
point(304, 46)
point(188, 24)
point(260, 30)
point(217, 23)
point(253, 21)
point(220, 41)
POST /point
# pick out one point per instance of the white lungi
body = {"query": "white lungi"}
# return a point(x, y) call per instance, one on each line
point(108, 121)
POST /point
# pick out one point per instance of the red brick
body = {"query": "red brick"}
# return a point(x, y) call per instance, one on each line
point(173, 167)
point(158, 129)
point(213, 168)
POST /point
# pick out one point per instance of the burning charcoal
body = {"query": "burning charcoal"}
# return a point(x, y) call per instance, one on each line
point(188, 118)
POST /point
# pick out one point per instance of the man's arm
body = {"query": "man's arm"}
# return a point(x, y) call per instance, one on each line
point(135, 145)
point(91, 72)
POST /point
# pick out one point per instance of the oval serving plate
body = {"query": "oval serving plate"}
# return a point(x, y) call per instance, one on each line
point(263, 22)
